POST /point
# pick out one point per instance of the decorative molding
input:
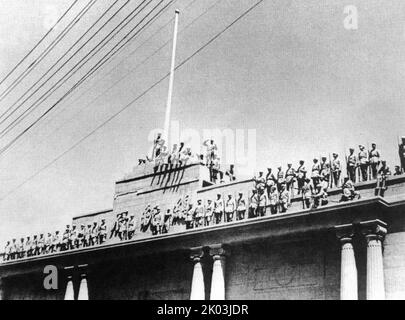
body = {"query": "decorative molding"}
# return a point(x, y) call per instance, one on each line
point(196, 254)
point(374, 230)
point(219, 251)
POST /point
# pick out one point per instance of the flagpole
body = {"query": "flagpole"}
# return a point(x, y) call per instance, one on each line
point(171, 81)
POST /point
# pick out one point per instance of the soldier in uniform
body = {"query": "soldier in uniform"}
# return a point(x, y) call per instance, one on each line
point(231, 173)
point(289, 177)
point(280, 177)
point(13, 250)
point(401, 152)
point(167, 221)
point(284, 198)
point(102, 232)
point(123, 226)
point(336, 169)
point(7, 249)
point(190, 217)
point(374, 156)
point(65, 239)
point(94, 234)
point(351, 165)
point(273, 200)
point(382, 174)
point(156, 221)
point(306, 194)
point(259, 181)
point(177, 212)
point(363, 162)
point(158, 144)
point(34, 246)
point(261, 208)
point(210, 152)
point(145, 218)
point(216, 170)
point(348, 190)
point(81, 234)
point(55, 246)
point(114, 229)
point(270, 181)
point(185, 156)
point(199, 214)
point(74, 242)
point(253, 204)
point(240, 207)
point(21, 249)
point(218, 209)
point(209, 210)
point(321, 196)
point(230, 207)
point(316, 170)
point(28, 246)
point(41, 244)
point(132, 226)
point(48, 243)
point(325, 170)
point(301, 176)
point(174, 157)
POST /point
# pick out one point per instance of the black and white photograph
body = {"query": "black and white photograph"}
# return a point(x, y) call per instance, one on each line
point(208, 150)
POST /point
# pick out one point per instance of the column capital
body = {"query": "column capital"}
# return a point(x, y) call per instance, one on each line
point(374, 230)
point(219, 251)
point(196, 254)
point(345, 233)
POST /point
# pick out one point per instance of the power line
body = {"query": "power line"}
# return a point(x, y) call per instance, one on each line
point(80, 81)
point(63, 79)
point(49, 70)
point(185, 61)
point(59, 38)
point(40, 41)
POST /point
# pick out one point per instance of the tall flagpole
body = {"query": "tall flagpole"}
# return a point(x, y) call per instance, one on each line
point(169, 96)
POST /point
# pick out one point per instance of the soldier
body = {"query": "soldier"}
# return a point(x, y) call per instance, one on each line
point(41, 244)
point(397, 171)
point(325, 170)
point(102, 232)
point(81, 234)
point(174, 157)
point(218, 209)
point(284, 198)
point(230, 207)
point(74, 242)
point(209, 210)
point(336, 169)
point(374, 156)
point(161, 161)
point(114, 230)
point(320, 197)
point(21, 249)
point(273, 200)
point(7, 249)
point(382, 174)
point(351, 165)
point(348, 191)
point(66, 239)
point(301, 175)
point(306, 194)
point(48, 243)
point(289, 176)
point(240, 207)
point(158, 143)
point(132, 226)
point(28, 246)
point(401, 152)
point(216, 170)
point(146, 218)
point(231, 173)
point(190, 217)
point(177, 212)
point(270, 181)
point(199, 214)
point(210, 152)
point(35, 250)
point(185, 156)
point(253, 204)
point(13, 250)
point(156, 224)
point(55, 242)
point(363, 162)
point(259, 181)
point(262, 204)
point(166, 221)
point(280, 177)
point(316, 169)
point(186, 206)
point(94, 234)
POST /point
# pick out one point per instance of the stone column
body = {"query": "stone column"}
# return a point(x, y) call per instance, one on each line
point(375, 232)
point(69, 294)
point(197, 284)
point(218, 254)
point(348, 269)
point(1, 290)
point(83, 289)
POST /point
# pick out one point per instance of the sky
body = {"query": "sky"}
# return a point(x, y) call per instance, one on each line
point(289, 70)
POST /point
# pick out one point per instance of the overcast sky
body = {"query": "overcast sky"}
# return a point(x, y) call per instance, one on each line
point(289, 69)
